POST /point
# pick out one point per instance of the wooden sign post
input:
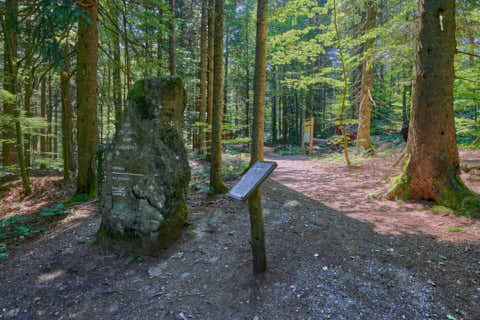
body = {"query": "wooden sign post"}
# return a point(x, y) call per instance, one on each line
point(307, 134)
point(248, 188)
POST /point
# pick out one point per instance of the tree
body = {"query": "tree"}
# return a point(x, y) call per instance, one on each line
point(173, 63)
point(216, 181)
point(255, 200)
point(87, 135)
point(211, 46)
point(432, 170)
point(366, 95)
point(203, 76)
point(10, 26)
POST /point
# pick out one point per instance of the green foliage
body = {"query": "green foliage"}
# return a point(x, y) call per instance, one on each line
point(59, 209)
point(455, 229)
point(288, 150)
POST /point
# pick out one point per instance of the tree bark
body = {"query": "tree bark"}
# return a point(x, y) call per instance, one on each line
point(433, 171)
point(203, 76)
point(49, 120)
point(255, 200)
point(43, 114)
point(211, 45)
point(225, 81)
point(127, 52)
point(9, 152)
point(55, 126)
point(216, 181)
point(28, 108)
point(67, 119)
point(87, 135)
point(274, 109)
point(173, 63)
point(247, 74)
point(117, 79)
point(366, 95)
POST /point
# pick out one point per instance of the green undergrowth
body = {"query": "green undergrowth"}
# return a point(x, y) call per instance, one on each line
point(455, 229)
point(338, 157)
point(441, 209)
point(233, 166)
point(288, 150)
point(17, 229)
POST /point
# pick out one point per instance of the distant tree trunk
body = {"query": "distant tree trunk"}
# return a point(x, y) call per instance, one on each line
point(225, 81)
point(216, 160)
point(173, 63)
point(433, 171)
point(274, 109)
point(43, 113)
point(126, 44)
point(255, 200)
point(297, 117)
point(366, 96)
point(49, 120)
point(247, 74)
point(117, 79)
point(284, 117)
point(203, 76)
point(404, 104)
point(211, 45)
point(21, 156)
point(67, 119)
point(55, 126)
point(87, 135)
point(28, 109)
point(9, 151)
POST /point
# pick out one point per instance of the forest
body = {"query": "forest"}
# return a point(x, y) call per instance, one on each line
point(126, 127)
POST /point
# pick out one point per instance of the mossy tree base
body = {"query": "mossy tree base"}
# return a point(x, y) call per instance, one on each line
point(218, 188)
point(452, 194)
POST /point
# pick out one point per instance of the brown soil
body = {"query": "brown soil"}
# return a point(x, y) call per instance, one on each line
point(333, 253)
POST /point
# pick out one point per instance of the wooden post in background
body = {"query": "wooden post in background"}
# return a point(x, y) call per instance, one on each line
point(312, 125)
point(307, 125)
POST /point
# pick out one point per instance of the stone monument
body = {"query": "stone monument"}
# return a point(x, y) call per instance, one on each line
point(144, 173)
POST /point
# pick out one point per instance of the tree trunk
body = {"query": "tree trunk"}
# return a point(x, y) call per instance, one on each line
point(28, 112)
point(87, 135)
point(9, 152)
point(55, 126)
point(366, 95)
point(21, 156)
point(211, 45)
point(117, 79)
point(216, 160)
point(433, 171)
point(173, 63)
point(225, 81)
point(67, 119)
point(127, 55)
point(203, 76)
point(49, 120)
point(43, 114)
point(255, 200)
point(284, 117)
point(247, 74)
point(274, 109)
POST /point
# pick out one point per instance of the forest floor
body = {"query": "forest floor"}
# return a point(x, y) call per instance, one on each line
point(334, 251)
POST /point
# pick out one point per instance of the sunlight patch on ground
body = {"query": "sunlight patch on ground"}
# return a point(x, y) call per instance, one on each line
point(46, 277)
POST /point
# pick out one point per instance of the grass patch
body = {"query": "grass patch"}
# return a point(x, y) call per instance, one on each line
point(441, 209)
point(455, 229)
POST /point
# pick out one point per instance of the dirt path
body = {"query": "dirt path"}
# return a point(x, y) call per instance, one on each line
point(332, 254)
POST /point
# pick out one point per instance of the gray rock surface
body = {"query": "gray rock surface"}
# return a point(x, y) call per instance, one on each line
point(144, 174)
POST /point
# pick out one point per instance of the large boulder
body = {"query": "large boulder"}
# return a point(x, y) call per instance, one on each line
point(144, 173)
